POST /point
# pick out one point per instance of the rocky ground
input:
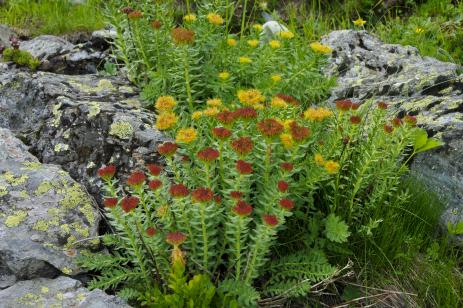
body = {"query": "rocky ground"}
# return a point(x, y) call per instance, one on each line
point(60, 124)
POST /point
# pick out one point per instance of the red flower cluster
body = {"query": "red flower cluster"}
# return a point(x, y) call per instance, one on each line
point(299, 133)
point(355, 106)
point(226, 117)
point(154, 169)
point(129, 203)
point(150, 231)
point(127, 10)
point(270, 127)
point(287, 166)
point(110, 202)
point(355, 120)
point(243, 167)
point(397, 122)
point(134, 15)
point(178, 191)
point(202, 195)
point(242, 146)
point(283, 186)
point(208, 154)
point(107, 172)
point(217, 199)
point(236, 195)
point(242, 208)
point(167, 148)
point(270, 220)
point(382, 105)
point(288, 99)
point(221, 133)
point(247, 113)
point(410, 120)
point(175, 238)
point(154, 184)
point(287, 204)
point(137, 178)
point(344, 104)
point(156, 24)
point(388, 128)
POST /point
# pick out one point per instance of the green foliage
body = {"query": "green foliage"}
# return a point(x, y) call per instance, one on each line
point(51, 16)
point(336, 230)
point(20, 57)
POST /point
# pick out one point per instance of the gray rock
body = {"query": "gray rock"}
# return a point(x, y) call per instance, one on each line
point(79, 122)
point(11, 148)
point(46, 47)
point(46, 218)
point(59, 292)
point(5, 34)
point(422, 86)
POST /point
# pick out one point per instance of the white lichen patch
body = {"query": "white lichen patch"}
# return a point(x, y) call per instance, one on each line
point(93, 109)
point(61, 147)
point(121, 129)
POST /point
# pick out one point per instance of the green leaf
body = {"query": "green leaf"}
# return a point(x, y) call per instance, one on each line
point(421, 137)
point(455, 229)
point(430, 144)
point(336, 230)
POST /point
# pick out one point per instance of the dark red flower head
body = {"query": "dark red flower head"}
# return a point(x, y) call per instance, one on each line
point(154, 184)
point(242, 208)
point(128, 204)
point(175, 238)
point(270, 127)
point(150, 231)
point(208, 154)
point(283, 186)
point(243, 167)
point(410, 120)
point(344, 104)
point(127, 10)
point(355, 119)
point(288, 99)
point(236, 195)
point(182, 36)
point(156, 24)
point(382, 105)
point(226, 117)
point(287, 204)
point(135, 15)
point(355, 106)
point(221, 133)
point(154, 169)
point(397, 122)
point(287, 166)
point(299, 133)
point(242, 146)
point(246, 113)
point(167, 148)
point(217, 199)
point(107, 172)
point(110, 202)
point(202, 195)
point(270, 220)
point(178, 191)
point(388, 128)
point(137, 178)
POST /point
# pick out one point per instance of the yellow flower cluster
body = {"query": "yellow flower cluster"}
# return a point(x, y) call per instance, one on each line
point(320, 48)
point(419, 30)
point(278, 103)
point(186, 135)
point(257, 27)
point(231, 42)
point(211, 111)
point(275, 44)
point(317, 114)
point(224, 75)
point(245, 60)
point(196, 115)
point(251, 97)
point(287, 141)
point(286, 35)
point(215, 19)
point(359, 22)
point(166, 120)
point(253, 43)
point(330, 166)
point(189, 18)
point(276, 78)
point(319, 160)
point(165, 103)
point(214, 102)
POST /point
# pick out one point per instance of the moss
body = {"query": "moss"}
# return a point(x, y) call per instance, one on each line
point(121, 129)
point(20, 57)
point(61, 147)
point(31, 166)
point(43, 188)
point(93, 109)
point(14, 180)
point(3, 191)
point(14, 220)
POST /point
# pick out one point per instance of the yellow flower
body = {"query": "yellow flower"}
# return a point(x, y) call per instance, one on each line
point(276, 78)
point(253, 43)
point(278, 103)
point(359, 22)
point(245, 60)
point(165, 103)
point(287, 123)
point(224, 75)
point(186, 135)
point(196, 115)
point(331, 166)
point(317, 114)
point(287, 141)
point(215, 19)
point(189, 18)
point(250, 97)
point(259, 107)
point(166, 120)
point(257, 27)
point(275, 44)
point(211, 111)
point(320, 48)
point(214, 102)
point(162, 211)
point(231, 42)
point(419, 30)
point(319, 160)
point(286, 34)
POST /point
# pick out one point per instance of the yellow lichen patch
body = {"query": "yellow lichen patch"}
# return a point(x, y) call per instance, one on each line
point(30, 299)
point(61, 147)
point(43, 188)
point(44, 290)
point(81, 297)
point(80, 229)
point(93, 109)
point(31, 166)
point(65, 228)
point(14, 220)
point(59, 296)
point(15, 180)
point(41, 225)
point(75, 197)
point(103, 85)
point(121, 129)
point(3, 191)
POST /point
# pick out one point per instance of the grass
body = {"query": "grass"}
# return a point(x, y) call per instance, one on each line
point(51, 16)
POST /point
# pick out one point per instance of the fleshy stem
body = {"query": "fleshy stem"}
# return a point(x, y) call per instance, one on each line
point(205, 237)
point(268, 155)
point(239, 227)
point(261, 239)
point(187, 79)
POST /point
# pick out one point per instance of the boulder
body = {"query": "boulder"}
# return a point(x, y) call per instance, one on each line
point(46, 218)
point(430, 89)
point(79, 122)
point(59, 292)
point(5, 34)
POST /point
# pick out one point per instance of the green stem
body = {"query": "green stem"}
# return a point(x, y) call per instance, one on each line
point(187, 79)
point(254, 254)
point(243, 18)
point(238, 247)
point(205, 237)
point(268, 155)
